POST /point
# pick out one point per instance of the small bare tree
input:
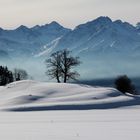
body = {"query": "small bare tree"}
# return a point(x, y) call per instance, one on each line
point(60, 66)
point(20, 74)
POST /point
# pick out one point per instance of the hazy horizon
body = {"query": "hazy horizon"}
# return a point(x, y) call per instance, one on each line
point(14, 13)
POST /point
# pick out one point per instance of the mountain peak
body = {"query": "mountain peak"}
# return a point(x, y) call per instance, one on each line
point(54, 24)
point(22, 27)
point(104, 19)
point(36, 27)
point(124, 25)
point(51, 25)
point(118, 21)
point(98, 21)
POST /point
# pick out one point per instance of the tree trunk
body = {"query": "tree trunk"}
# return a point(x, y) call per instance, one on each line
point(65, 78)
point(58, 80)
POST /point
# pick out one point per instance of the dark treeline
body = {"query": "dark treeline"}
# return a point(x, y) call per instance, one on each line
point(7, 76)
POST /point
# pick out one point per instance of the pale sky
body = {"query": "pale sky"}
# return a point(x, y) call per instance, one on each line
point(69, 13)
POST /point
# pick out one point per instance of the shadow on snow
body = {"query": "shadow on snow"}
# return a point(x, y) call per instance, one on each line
point(110, 105)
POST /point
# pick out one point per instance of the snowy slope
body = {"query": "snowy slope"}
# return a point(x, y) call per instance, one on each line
point(33, 96)
point(76, 122)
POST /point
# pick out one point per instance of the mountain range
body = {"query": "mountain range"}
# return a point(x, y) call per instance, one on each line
point(109, 46)
point(29, 41)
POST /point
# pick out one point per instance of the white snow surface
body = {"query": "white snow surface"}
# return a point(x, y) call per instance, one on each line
point(33, 110)
point(33, 96)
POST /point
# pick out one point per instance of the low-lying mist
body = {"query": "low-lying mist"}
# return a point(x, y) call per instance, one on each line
point(93, 69)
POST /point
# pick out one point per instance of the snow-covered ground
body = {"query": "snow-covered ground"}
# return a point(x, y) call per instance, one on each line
point(38, 111)
point(38, 96)
point(71, 125)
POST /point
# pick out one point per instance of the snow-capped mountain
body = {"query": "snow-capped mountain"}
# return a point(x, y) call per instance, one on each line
point(97, 36)
point(105, 46)
point(102, 35)
point(26, 41)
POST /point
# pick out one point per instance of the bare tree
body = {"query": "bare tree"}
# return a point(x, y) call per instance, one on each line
point(60, 66)
point(54, 66)
point(67, 63)
point(20, 74)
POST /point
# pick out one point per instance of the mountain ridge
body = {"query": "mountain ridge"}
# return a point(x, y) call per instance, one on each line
point(112, 47)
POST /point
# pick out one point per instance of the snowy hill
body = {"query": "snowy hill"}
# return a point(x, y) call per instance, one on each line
point(113, 115)
point(35, 96)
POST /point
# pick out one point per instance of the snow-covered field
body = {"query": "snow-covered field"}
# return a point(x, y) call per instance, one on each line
point(71, 125)
point(38, 111)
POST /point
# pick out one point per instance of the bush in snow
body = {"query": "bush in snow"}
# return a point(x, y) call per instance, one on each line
point(124, 84)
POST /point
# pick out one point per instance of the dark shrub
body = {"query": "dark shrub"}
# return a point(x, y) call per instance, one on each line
point(124, 84)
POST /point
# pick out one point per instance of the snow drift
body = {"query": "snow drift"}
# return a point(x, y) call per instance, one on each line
point(38, 96)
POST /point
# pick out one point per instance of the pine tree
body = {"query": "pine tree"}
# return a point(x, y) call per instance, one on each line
point(6, 76)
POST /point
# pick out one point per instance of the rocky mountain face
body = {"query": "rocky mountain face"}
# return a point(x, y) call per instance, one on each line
point(102, 36)
point(25, 41)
